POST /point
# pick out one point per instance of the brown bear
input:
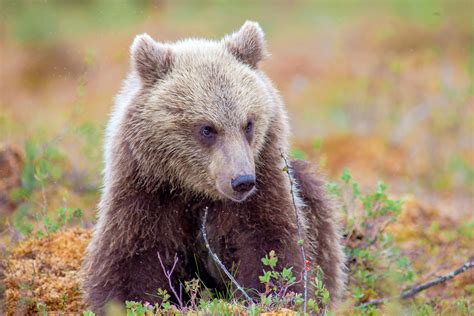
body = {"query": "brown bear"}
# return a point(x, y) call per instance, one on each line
point(198, 125)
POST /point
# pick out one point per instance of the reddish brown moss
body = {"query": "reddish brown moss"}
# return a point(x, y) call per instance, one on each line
point(46, 271)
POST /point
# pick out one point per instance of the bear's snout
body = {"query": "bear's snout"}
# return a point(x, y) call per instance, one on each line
point(232, 167)
point(243, 184)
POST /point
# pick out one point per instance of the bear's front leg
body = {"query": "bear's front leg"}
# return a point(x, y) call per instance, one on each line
point(242, 241)
point(134, 278)
point(122, 261)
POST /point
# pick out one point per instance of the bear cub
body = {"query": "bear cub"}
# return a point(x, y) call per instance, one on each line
point(197, 125)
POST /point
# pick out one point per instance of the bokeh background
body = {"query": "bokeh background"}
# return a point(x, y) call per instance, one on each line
point(384, 88)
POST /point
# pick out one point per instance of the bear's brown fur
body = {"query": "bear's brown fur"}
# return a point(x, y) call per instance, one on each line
point(192, 118)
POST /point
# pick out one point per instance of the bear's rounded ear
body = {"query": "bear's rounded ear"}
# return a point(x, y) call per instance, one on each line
point(248, 44)
point(150, 59)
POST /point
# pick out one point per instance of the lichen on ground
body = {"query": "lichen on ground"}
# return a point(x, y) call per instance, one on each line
point(45, 271)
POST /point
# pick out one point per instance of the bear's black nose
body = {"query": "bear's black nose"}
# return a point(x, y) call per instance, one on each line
point(243, 184)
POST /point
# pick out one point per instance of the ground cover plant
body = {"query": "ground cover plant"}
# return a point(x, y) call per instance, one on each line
point(380, 99)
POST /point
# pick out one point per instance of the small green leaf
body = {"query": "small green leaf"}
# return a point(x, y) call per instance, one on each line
point(358, 293)
point(325, 297)
point(333, 188)
point(265, 278)
point(346, 175)
point(287, 273)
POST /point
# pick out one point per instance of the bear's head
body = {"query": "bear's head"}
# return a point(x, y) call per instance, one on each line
point(202, 111)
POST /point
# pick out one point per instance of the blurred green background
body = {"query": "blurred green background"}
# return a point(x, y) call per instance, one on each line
point(382, 87)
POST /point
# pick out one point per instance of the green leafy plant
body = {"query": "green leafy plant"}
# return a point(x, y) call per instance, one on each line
point(277, 284)
point(41, 172)
point(42, 164)
point(377, 266)
point(64, 216)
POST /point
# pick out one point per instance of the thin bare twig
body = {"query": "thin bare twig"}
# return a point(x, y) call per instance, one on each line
point(417, 289)
point(217, 260)
point(168, 276)
point(300, 238)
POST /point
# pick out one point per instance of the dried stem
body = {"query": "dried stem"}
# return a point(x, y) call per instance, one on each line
point(217, 260)
point(417, 289)
point(168, 276)
point(300, 238)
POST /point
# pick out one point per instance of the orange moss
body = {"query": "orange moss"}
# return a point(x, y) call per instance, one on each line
point(46, 271)
point(416, 219)
point(424, 234)
point(366, 157)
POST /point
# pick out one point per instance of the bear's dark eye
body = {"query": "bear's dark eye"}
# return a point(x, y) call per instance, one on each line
point(249, 127)
point(207, 131)
point(207, 134)
point(249, 130)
